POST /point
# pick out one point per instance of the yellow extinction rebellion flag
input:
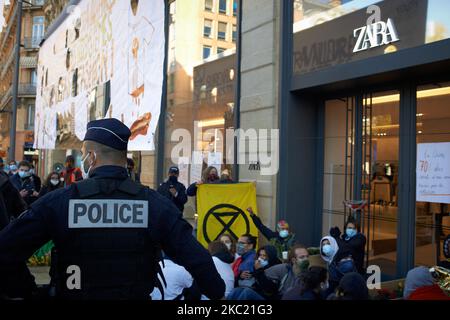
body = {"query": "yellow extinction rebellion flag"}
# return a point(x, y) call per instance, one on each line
point(221, 208)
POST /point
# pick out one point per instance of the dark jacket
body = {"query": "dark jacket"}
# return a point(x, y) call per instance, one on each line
point(49, 188)
point(260, 278)
point(281, 244)
point(31, 184)
point(181, 197)
point(11, 203)
point(47, 219)
point(356, 247)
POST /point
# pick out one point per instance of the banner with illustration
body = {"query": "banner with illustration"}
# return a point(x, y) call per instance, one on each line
point(222, 208)
point(104, 61)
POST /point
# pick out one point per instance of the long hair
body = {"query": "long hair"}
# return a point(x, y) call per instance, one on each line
point(49, 177)
point(206, 173)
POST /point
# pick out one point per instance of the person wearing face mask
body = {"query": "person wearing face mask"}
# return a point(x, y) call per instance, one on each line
point(210, 175)
point(52, 183)
point(266, 257)
point(26, 183)
point(243, 267)
point(174, 190)
point(12, 168)
point(229, 242)
point(280, 278)
point(312, 283)
point(112, 228)
point(283, 239)
point(352, 241)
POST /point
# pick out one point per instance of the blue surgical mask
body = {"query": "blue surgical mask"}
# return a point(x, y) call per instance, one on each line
point(24, 174)
point(350, 232)
point(263, 262)
point(327, 250)
point(284, 233)
point(13, 167)
point(240, 249)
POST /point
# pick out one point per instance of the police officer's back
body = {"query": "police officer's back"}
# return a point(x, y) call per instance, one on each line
point(174, 190)
point(108, 228)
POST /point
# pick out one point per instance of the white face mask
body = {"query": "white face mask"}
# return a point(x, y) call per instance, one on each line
point(83, 171)
point(228, 244)
point(54, 182)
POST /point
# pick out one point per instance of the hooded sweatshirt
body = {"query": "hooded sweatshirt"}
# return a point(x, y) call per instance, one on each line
point(333, 244)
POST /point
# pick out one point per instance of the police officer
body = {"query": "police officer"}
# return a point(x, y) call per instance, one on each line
point(107, 229)
point(174, 190)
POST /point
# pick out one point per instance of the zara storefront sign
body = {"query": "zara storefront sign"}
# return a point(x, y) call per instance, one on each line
point(374, 35)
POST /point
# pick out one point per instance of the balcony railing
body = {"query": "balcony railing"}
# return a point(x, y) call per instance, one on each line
point(35, 3)
point(32, 42)
point(27, 89)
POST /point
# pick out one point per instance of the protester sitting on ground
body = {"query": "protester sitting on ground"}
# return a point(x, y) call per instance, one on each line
point(277, 280)
point(222, 259)
point(180, 283)
point(243, 267)
point(26, 183)
point(420, 285)
point(312, 283)
point(353, 241)
point(229, 242)
point(342, 264)
point(283, 239)
point(446, 248)
point(328, 249)
point(352, 286)
point(210, 175)
point(265, 258)
point(52, 183)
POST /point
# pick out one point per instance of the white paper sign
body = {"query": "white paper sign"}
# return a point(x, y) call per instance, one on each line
point(215, 160)
point(433, 172)
point(183, 166)
point(196, 166)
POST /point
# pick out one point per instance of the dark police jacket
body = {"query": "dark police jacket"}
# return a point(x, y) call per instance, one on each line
point(181, 197)
point(73, 221)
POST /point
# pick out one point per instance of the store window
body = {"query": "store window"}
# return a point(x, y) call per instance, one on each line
point(376, 181)
point(222, 31)
point(433, 172)
point(328, 33)
point(201, 95)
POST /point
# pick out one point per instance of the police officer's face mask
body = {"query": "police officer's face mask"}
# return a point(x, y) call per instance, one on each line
point(83, 170)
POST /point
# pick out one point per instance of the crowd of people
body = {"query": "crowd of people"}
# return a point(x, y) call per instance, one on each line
point(281, 270)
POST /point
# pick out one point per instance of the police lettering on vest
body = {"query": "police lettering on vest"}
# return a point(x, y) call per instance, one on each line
point(108, 213)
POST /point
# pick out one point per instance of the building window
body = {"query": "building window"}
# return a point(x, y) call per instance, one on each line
point(207, 28)
point(30, 117)
point(33, 77)
point(75, 83)
point(206, 52)
point(222, 31)
point(223, 6)
point(209, 5)
point(38, 30)
point(234, 33)
point(220, 50)
point(235, 7)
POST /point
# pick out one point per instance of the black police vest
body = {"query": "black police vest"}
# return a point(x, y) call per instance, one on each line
point(109, 243)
